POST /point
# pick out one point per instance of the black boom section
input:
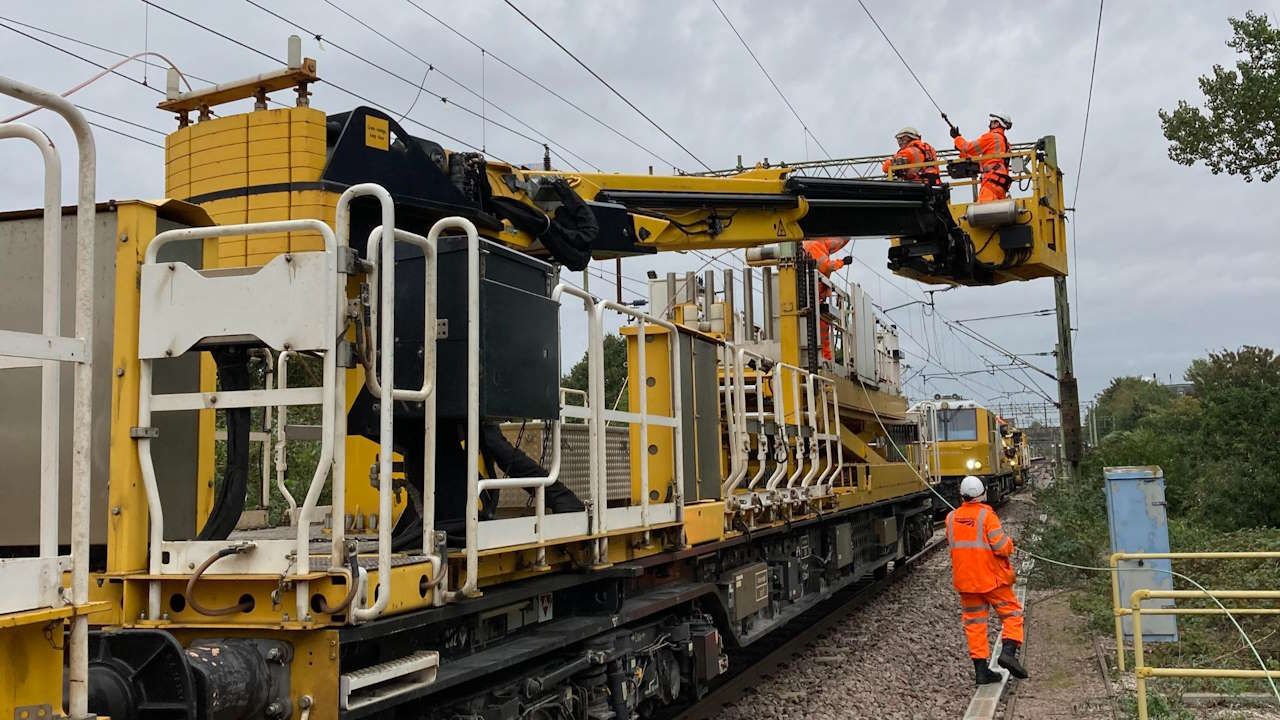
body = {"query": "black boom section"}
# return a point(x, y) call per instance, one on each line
point(866, 208)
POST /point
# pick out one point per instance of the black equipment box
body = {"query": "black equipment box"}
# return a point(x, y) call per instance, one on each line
point(518, 322)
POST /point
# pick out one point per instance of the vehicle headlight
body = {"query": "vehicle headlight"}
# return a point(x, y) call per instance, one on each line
point(972, 464)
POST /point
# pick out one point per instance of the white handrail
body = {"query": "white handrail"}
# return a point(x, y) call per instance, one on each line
point(642, 391)
point(596, 461)
point(331, 378)
point(82, 410)
point(381, 254)
point(282, 419)
point(51, 326)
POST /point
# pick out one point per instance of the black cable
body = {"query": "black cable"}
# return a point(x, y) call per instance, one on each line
point(606, 84)
point(1084, 135)
point(770, 78)
point(121, 133)
point(330, 83)
point(904, 60)
point(140, 126)
point(319, 37)
point(433, 68)
point(555, 94)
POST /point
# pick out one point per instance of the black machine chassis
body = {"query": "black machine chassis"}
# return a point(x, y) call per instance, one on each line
point(606, 621)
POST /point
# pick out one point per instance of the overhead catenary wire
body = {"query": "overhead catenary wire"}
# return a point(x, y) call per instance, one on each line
point(541, 85)
point(330, 83)
point(905, 64)
point(320, 38)
point(769, 77)
point(432, 67)
point(1084, 135)
point(606, 83)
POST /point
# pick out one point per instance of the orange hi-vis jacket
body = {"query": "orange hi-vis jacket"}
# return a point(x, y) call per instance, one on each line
point(821, 249)
point(995, 171)
point(916, 151)
point(980, 549)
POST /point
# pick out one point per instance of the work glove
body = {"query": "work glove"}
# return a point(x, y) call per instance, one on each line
point(955, 131)
point(847, 259)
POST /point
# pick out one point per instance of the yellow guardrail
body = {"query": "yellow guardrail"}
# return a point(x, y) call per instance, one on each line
point(1135, 611)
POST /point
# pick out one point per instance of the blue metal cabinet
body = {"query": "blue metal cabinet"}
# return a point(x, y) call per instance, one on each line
point(1138, 523)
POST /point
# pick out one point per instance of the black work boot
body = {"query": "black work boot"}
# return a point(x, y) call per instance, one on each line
point(1009, 659)
point(983, 674)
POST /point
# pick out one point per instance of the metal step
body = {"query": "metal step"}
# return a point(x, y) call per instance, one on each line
point(385, 680)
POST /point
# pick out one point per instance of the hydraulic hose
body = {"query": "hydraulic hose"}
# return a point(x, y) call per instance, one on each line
point(353, 566)
point(228, 503)
point(190, 592)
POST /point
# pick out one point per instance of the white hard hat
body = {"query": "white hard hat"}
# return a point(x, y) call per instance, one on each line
point(971, 488)
point(909, 132)
point(1005, 120)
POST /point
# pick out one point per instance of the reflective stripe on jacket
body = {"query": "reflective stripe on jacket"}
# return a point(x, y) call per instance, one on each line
point(980, 549)
point(992, 142)
point(821, 249)
point(915, 152)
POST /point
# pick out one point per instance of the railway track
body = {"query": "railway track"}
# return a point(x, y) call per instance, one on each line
point(768, 655)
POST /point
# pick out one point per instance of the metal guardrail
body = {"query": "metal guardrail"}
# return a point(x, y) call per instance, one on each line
point(1142, 672)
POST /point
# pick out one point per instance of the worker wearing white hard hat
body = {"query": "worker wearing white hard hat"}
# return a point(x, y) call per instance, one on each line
point(989, 146)
point(913, 151)
point(983, 575)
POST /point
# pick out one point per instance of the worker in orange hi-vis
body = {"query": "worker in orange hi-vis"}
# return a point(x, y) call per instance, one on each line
point(913, 151)
point(821, 250)
point(983, 575)
point(995, 171)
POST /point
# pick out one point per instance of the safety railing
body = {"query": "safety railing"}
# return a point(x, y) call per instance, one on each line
point(175, 316)
point(36, 582)
point(807, 452)
point(382, 276)
point(1135, 612)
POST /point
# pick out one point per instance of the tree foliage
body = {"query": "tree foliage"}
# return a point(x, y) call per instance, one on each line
point(1238, 130)
point(615, 372)
point(1127, 400)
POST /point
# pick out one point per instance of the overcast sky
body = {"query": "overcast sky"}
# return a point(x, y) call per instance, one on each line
point(1171, 262)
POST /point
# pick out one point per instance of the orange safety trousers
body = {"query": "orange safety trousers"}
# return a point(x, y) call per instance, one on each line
point(992, 189)
point(974, 609)
point(820, 250)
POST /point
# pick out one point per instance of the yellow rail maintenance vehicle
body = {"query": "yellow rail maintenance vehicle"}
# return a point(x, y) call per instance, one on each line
point(968, 439)
point(308, 495)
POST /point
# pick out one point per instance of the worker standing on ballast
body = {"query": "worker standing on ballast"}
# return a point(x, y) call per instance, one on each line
point(913, 151)
point(821, 250)
point(983, 575)
point(995, 171)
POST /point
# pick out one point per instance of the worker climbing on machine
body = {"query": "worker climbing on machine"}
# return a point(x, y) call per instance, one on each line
point(983, 575)
point(821, 250)
point(995, 170)
point(913, 151)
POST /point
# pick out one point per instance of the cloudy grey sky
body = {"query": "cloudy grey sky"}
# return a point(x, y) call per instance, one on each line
point(1171, 262)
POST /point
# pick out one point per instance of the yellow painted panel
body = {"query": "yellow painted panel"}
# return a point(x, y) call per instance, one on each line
point(305, 241)
point(223, 205)
point(274, 132)
point(309, 174)
point(704, 522)
point(313, 197)
point(309, 144)
point(304, 159)
point(225, 182)
point(272, 145)
point(177, 137)
point(177, 177)
point(307, 128)
point(252, 259)
point(31, 666)
point(235, 137)
point(219, 153)
point(259, 201)
point(273, 244)
point(268, 177)
point(311, 212)
point(208, 170)
point(179, 153)
point(178, 192)
point(269, 116)
point(660, 453)
point(269, 161)
point(231, 245)
point(268, 215)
